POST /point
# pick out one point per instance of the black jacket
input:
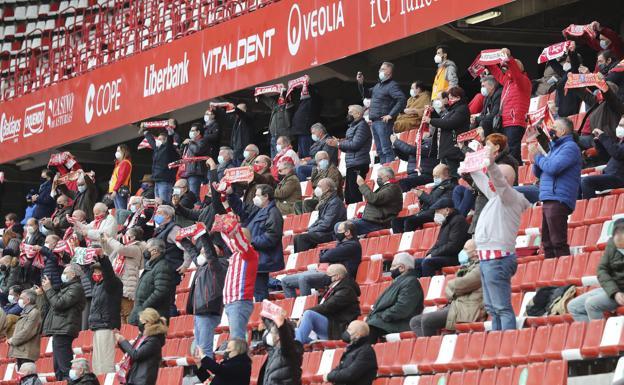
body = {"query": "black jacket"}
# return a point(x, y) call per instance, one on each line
point(106, 302)
point(453, 234)
point(65, 314)
point(45, 204)
point(82, 200)
point(443, 190)
point(234, 371)
point(283, 365)
point(615, 149)
point(568, 103)
point(198, 147)
point(173, 255)
point(331, 211)
point(453, 123)
point(161, 158)
point(146, 357)
point(52, 269)
point(306, 115)
point(357, 144)
point(407, 152)
point(222, 167)
point(386, 99)
point(243, 131)
point(321, 145)
point(154, 289)
point(491, 108)
point(340, 306)
point(212, 134)
point(210, 208)
point(358, 365)
point(87, 379)
point(348, 252)
point(206, 295)
point(188, 199)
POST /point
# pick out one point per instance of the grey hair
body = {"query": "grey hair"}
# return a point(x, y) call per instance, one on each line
point(168, 210)
point(321, 153)
point(319, 127)
point(31, 295)
point(387, 171)
point(75, 268)
point(285, 139)
point(82, 363)
point(136, 199)
point(28, 368)
point(389, 65)
point(183, 182)
point(288, 165)
point(240, 345)
point(100, 207)
point(254, 148)
point(157, 243)
point(405, 259)
point(330, 183)
point(359, 109)
point(228, 150)
point(490, 79)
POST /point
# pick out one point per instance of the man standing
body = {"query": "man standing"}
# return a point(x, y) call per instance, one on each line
point(446, 75)
point(387, 101)
point(24, 344)
point(495, 237)
point(559, 172)
point(358, 365)
point(164, 153)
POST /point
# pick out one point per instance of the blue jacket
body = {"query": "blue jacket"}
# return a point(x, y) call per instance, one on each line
point(330, 212)
point(386, 99)
point(615, 149)
point(357, 144)
point(266, 227)
point(560, 172)
point(45, 204)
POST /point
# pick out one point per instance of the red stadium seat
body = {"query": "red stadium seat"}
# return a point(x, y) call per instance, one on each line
point(418, 355)
point(518, 278)
point(475, 351)
point(562, 271)
point(507, 346)
point(504, 376)
point(461, 349)
point(556, 373)
point(547, 272)
point(579, 263)
point(522, 347)
point(487, 377)
point(578, 215)
point(433, 349)
point(540, 343)
point(592, 209)
point(573, 342)
point(530, 275)
point(491, 349)
point(607, 209)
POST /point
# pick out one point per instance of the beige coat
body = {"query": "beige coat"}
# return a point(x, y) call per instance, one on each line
point(134, 263)
point(287, 192)
point(405, 122)
point(25, 342)
point(466, 296)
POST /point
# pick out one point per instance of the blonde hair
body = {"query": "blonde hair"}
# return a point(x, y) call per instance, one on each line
point(151, 316)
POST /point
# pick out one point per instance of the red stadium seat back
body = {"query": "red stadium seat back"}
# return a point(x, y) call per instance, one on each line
point(540, 344)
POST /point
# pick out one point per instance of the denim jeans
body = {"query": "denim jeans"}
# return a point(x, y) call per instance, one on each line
point(305, 282)
point(163, 190)
point(514, 136)
point(303, 145)
point(194, 183)
point(238, 313)
point(591, 305)
point(364, 227)
point(496, 281)
point(381, 135)
point(312, 322)
point(304, 172)
point(121, 203)
point(592, 183)
point(204, 326)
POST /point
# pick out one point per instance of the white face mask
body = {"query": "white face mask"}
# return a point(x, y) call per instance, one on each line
point(21, 303)
point(246, 154)
point(278, 147)
point(258, 201)
point(484, 91)
point(437, 59)
point(619, 132)
point(192, 135)
point(158, 142)
point(177, 191)
point(439, 218)
point(220, 159)
point(201, 260)
point(30, 230)
point(437, 104)
point(604, 44)
point(269, 339)
point(49, 246)
point(65, 278)
point(134, 208)
point(207, 118)
point(315, 138)
point(382, 76)
point(118, 155)
point(567, 66)
point(82, 188)
point(412, 92)
point(318, 192)
point(11, 298)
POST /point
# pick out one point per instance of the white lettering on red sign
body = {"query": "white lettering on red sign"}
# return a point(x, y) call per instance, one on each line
point(9, 128)
point(104, 100)
point(376, 9)
point(34, 119)
point(314, 24)
point(61, 110)
point(246, 51)
point(408, 6)
point(167, 78)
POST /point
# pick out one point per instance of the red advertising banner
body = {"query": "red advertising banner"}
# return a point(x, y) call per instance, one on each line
point(278, 40)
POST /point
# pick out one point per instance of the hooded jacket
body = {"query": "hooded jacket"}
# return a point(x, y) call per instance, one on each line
point(516, 95)
point(146, 357)
point(357, 144)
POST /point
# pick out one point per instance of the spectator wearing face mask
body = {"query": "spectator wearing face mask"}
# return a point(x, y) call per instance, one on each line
point(308, 112)
point(211, 205)
point(331, 210)
point(86, 196)
point(12, 306)
point(138, 217)
point(243, 130)
point(285, 354)
point(401, 301)
point(288, 189)
point(413, 112)
point(24, 344)
point(559, 172)
point(11, 223)
point(387, 101)
point(613, 175)
point(547, 83)
point(446, 74)
point(606, 38)
point(59, 216)
point(28, 374)
point(249, 155)
point(119, 185)
point(235, 369)
point(164, 152)
point(44, 203)
point(568, 103)
point(52, 268)
point(323, 169)
point(336, 309)
point(358, 364)
point(195, 145)
point(464, 294)
point(408, 152)
point(280, 120)
point(127, 259)
point(30, 206)
point(225, 161)
point(285, 153)
point(64, 317)
point(80, 373)
point(104, 315)
point(319, 138)
point(357, 145)
point(186, 197)
point(265, 223)
point(382, 205)
point(212, 133)
point(102, 223)
point(443, 188)
point(453, 234)
point(490, 120)
point(262, 175)
point(147, 189)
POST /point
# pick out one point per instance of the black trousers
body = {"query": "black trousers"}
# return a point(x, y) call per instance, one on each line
point(352, 191)
point(307, 241)
point(62, 356)
point(375, 334)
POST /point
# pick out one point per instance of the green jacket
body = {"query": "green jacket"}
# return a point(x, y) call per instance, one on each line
point(383, 204)
point(154, 289)
point(611, 270)
point(65, 309)
point(398, 304)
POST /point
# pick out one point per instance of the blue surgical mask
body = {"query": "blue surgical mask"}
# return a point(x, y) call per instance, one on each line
point(324, 164)
point(315, 138)
point(382, 76)
point(220, 159)
point(43, 230)
point(278, 147)
point(145, 186)
point(158, 219)
point(73, 375)
point(463, 257)
point(437, 181)
point(484, 91)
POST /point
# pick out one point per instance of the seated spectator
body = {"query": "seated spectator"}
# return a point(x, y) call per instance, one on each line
point(12, 306)
point(453, 234)
point(348, 250)
point(235, 369)
point(401, 301)
point(412, 114)
point(331, 210)
point(147, 190)
point(33, 235)
point(613, 175)
point(610, 295)
point(285, 354)
point(28, 374)
point(358, 364)
point(225, 160)
point(336, 309)
point(382, 205)
point(285, 153)
point(464, 294)
point(11, 222)
point(102, 223)
point(250, 154)
point(319, 137)
point(443, 188)
point(6, 266)
point(24, 344)
point(323, 169)
point(407, 152)
point(288, 189)
point(80, 374)
point(560, 181)
point(186, 197)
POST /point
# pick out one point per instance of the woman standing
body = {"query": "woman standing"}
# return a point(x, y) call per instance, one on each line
point(119, 185)
point(140, 364)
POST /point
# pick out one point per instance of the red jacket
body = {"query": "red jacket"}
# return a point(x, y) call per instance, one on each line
point(516, 96)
